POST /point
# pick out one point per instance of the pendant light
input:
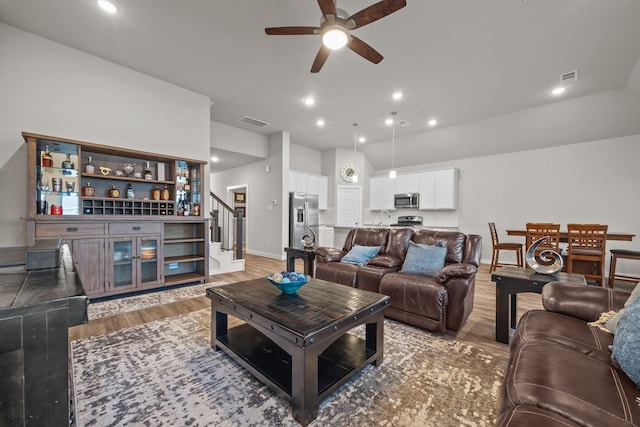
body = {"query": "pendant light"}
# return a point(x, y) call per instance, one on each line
point(392, 172)
point(355, 153)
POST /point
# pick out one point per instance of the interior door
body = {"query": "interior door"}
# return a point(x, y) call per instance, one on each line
point(349, 206)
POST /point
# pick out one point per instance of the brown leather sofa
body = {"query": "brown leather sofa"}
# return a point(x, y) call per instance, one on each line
point(434, 303)
point(560, 371)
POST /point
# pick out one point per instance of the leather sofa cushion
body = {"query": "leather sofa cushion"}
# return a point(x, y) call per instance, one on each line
point(369, 276)
point(527, 416)
point(368, 237)
point(398, 242)
point(455, 242)
point(386, 261)
point(415, 294)
point(564, 331)
point(337, 272)
point(587, 391)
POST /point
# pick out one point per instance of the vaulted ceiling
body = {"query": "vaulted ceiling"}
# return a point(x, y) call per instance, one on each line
point(459, 61)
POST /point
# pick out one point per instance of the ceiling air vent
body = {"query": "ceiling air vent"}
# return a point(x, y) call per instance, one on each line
point(254, 122)
point(403, 123)
point(571, 76)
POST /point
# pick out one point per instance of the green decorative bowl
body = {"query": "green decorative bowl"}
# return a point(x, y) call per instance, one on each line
point(289, 287)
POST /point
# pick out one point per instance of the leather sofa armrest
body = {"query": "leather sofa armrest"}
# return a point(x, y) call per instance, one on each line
point(581, 301)
point(324, 254)
point(463, 270)
point(386, 261)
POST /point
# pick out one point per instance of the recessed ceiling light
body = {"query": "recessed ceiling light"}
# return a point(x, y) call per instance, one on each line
point(362, 139)
point(388, 122)
point(558, 91)
point(432, 122)
point(214, 159)
point(397, 96)
point(309, 101)
point(107, 6)
point(320, 122)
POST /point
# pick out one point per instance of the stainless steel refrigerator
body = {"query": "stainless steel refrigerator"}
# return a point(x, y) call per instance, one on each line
point(303, 214)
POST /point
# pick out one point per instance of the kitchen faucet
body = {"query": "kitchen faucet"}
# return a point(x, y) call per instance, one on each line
point(388, 216)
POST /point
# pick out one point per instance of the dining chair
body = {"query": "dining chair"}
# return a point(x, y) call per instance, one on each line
point(497, 247)
point(537, 230)
point(587, 242)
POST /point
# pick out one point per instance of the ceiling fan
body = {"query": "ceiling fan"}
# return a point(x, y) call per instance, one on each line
point(335, 29)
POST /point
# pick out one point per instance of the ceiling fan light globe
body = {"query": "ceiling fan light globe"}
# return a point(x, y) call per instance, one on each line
point(335, 37)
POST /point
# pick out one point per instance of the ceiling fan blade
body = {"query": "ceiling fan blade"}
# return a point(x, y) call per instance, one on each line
point(291, 31)
point(321, 58)
point(374, 12)
point(364, 50)
point(327, 7)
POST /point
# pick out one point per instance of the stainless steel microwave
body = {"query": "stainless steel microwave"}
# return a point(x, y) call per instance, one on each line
point(406, 200)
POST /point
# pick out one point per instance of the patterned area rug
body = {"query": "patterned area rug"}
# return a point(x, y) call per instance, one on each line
point(117, 305)
point(165, 373)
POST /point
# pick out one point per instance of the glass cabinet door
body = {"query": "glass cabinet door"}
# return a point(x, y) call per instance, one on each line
point(57, 180)
point(149, 265)
point(122, 256)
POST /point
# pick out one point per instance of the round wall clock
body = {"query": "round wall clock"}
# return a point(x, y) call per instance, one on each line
point(348, 171)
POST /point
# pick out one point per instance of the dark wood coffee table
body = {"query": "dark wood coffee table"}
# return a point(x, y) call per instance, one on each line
point(511, 281)
point(298, 344)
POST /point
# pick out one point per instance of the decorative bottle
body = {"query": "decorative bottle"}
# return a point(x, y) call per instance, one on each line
point(130, 193)
point(114, 192)
point(88, 190)
point(155, 193)
point(89, 167)
point(196, 209)
point(67, 163)
point(165, 193)
point(147, 172)
point(47, 159)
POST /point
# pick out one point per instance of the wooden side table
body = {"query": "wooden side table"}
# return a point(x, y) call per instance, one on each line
point(510, 281)
point(308, 255)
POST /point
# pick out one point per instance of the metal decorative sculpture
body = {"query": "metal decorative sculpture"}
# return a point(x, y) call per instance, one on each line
point(552, 260)
point(309, 241)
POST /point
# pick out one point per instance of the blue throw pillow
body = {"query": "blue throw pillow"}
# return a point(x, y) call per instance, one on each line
point(360, 255)
point(626, 343)
point(427, 260)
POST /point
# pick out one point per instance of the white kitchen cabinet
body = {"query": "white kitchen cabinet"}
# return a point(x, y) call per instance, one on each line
point(439, 189)
point(409, 183)
point(310, 184)
point(381, 193)
point(325, 236)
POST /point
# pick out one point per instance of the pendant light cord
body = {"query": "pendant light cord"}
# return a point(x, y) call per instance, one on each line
point(393, 139)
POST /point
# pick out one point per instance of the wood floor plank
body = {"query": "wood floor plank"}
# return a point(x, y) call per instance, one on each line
point(479, 329)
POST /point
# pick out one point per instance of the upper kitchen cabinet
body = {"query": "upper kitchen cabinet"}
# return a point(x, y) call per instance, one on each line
point(381, 193)
point(404, 184)
point(310, 184)
point(439, 189)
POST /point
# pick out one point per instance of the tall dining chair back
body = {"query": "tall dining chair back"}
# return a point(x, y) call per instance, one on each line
point(537, 230)
point(587, 243)
point(497, 247)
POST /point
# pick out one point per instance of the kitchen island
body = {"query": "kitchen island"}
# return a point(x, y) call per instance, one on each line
point(36, 309)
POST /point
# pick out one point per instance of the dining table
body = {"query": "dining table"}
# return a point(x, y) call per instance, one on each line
point(611, 235)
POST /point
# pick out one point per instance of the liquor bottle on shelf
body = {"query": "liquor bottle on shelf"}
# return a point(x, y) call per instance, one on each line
point(165, 193)
point(47, 158)
point(130, 193)
point(67, 163)
point(89, 167)
point(147, 172)
point(155, 193)
point(196, 209)
point(88, 190)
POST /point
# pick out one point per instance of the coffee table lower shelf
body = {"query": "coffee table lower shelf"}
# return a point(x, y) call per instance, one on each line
point(346, 355)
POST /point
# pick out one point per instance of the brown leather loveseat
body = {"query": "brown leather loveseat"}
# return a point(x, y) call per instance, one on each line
point(560, 370)
point(437, 303)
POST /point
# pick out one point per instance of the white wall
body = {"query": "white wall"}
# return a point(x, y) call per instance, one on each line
point(305, 159)
point(237, 140)
point(51, 89)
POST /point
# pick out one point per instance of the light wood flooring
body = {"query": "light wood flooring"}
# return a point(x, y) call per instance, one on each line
point(479, 329)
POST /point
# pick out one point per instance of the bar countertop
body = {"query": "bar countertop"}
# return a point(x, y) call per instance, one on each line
point(23, 291)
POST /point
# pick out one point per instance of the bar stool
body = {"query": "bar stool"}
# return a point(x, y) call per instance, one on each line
point(497, 247)
point(623, 254)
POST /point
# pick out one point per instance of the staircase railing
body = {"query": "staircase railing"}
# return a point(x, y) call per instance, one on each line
point(226, 226)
